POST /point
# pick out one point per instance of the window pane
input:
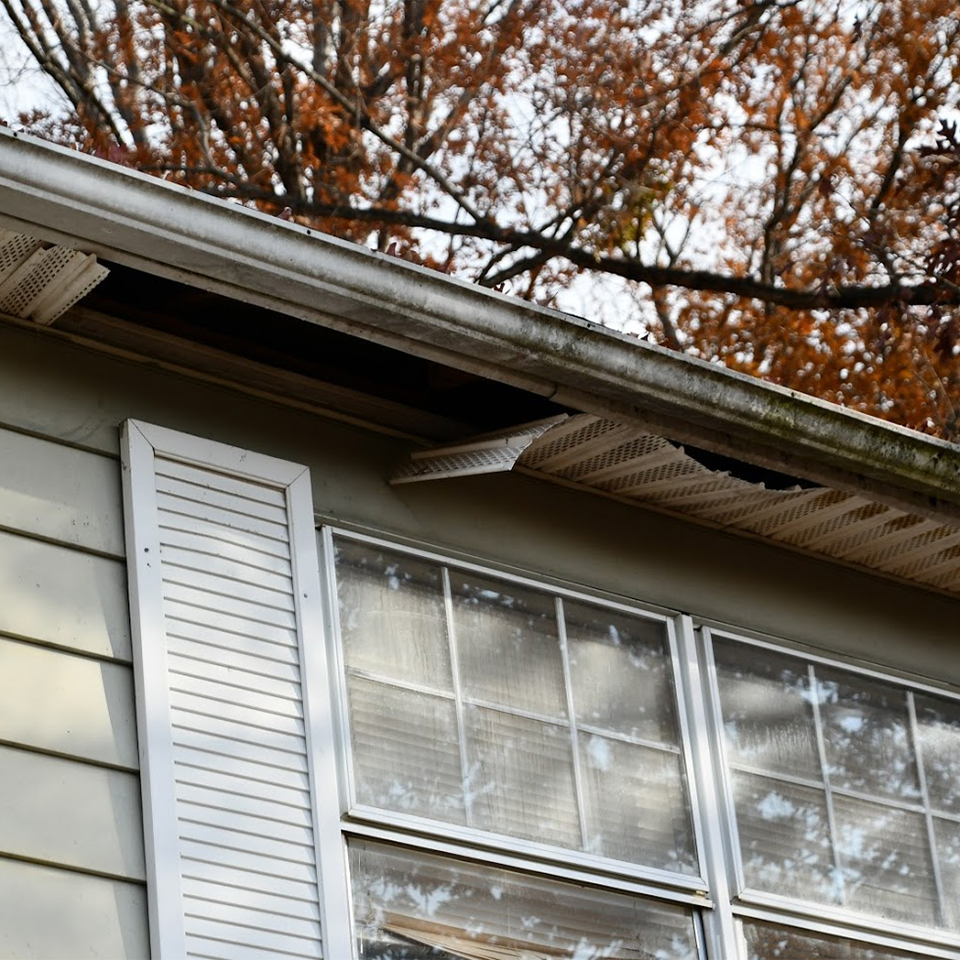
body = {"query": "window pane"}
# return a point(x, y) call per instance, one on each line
point(636, 806)
point(885, 858)
point(866, 735)
point(948, 852)
point(621, 674)
point(767, 716)
point(507, 644)
point(406, 755)
point(392, 615)
point(411, 905)
point(939, 734)
point(766, 942)
point(784, 838)
point(521, 777)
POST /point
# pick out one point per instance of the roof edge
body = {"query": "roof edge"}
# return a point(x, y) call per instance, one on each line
point(141, 221)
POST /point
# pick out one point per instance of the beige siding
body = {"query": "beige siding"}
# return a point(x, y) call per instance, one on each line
point(49, 914)
point(66, 704)
point(64, 812)
point(60, 493)
point(71, 839)
point(56, 595)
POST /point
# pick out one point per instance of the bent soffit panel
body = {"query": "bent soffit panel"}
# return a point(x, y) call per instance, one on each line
point(621, 461)
point(41, 281)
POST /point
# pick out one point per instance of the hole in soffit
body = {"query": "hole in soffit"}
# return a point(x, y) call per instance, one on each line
point(748, 472)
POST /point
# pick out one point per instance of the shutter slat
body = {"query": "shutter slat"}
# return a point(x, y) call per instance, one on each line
point(228, 586)
point(200, 547)
point(231, 567)
point(174, 527)
point(242, 823)
point(241, 859)
point(211, 496)
point(282, 803)
point(243, 523)
point(268, 653)
point(195, 660)
point(293, 890)
point(292, 852)
point(226, 746)
point(204, 617)
point(236, 700)
point(176, 469)
point(256, 899)
point(231, 606)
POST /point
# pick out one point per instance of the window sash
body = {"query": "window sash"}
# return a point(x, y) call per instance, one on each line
point(356, 811)
point(746, 900)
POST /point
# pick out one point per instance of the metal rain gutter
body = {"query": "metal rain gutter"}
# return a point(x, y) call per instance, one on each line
point(143, 222)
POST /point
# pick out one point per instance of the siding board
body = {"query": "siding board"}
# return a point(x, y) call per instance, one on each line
point(49, 914)
point(64, 812)
point(61, 493)
point(54, 701)
point(60, 596)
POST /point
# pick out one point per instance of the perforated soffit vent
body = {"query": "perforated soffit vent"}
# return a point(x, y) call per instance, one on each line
point(41, 281)
point(622, 461)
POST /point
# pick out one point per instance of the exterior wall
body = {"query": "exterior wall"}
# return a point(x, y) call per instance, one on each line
point(506, 519)
point(71, 848)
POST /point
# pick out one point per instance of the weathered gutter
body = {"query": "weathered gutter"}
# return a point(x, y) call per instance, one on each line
point(130, 218)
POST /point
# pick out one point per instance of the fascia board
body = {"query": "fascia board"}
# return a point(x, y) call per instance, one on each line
point(141, 221)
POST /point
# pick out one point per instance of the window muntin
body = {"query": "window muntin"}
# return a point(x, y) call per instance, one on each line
point(477, 701)
point(832, 799)
point(409, 904)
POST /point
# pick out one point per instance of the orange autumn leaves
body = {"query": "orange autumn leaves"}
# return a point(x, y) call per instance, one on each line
point(765, 180)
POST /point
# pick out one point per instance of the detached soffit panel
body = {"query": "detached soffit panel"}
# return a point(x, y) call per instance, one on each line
point(618, 460)
point(41, 281)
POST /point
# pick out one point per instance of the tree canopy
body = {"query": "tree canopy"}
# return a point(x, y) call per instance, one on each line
point(772, 184)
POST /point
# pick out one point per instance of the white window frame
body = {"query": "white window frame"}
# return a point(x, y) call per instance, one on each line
point(751, 904)
point(502, 850)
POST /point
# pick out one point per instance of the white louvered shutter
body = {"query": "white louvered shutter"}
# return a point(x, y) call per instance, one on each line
point(239, 789)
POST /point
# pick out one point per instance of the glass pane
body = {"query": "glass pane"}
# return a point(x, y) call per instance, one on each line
point(392, 615)
point(410, 906)
point(767, 716)
point(521, 777)
point(406, 754)
point(866, 732)
point(938, 724)
point(507, 645)
point(885, 858)
point(784, 838)
point(766, 942)
point(947, 833)
point(636, 804)
point(621, 673)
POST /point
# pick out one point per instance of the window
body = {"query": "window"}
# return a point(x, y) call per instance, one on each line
point(516, 721)
point(370, 750)
point(843, 790)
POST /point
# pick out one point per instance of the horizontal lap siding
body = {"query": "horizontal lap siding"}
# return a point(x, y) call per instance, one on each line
point(247, 855)
point(71, 837)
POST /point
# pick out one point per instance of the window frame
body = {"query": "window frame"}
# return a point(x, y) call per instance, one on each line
point(501, 850)
point(748, 903)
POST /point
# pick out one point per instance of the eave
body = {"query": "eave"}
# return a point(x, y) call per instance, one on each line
point(152, 226)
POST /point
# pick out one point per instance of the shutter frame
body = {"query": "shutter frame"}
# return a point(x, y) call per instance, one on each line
point(141, 446)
